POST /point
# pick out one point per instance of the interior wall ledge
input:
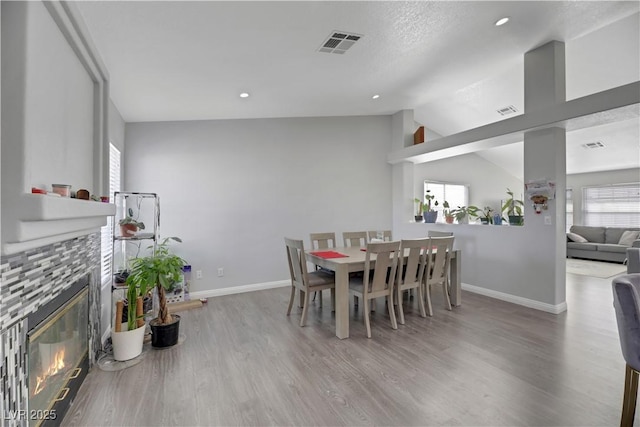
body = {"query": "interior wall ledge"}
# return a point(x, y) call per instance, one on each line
point(616, 104)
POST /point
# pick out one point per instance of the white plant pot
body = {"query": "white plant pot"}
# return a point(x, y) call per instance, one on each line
point(127, 344)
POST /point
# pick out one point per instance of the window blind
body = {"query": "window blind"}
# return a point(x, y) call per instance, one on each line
point(106, 233)
point(569, 198)
point(612, 206)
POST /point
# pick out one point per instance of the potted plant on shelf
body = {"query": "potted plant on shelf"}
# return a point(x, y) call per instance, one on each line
point(162, 270)
point(513, 208)
point(463, 213)
point(418, 216)
point(486, 215)
point(127, 343)
point(430, 214)
point(130, 226)
point(449, 214)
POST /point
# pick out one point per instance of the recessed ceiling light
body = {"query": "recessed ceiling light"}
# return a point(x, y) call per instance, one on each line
point(376, 96)
point(244, 95)
point(502, 21)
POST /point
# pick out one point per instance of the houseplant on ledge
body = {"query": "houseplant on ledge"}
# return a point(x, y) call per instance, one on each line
point(430, 214)
point(486, 216)
point(463, 213)
point(449, 214)
point(418, 216)
point(162, 270)
point(513, 207)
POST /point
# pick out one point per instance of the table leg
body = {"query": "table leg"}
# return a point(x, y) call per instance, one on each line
point(455, 273)
point(342, 302)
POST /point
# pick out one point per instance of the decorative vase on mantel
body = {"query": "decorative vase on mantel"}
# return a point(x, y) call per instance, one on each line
point(430, 216)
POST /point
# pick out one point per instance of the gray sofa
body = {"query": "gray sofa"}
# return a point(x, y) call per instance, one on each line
point(602, 243)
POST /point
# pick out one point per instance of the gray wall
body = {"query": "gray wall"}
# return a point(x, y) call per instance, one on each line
point(232, 189)
point(577, 181)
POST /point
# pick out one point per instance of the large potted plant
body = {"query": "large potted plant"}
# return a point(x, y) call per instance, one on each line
point(129, 226)
point(162, 269)
point(430, 214)
point(513, 208)
point(127, 344)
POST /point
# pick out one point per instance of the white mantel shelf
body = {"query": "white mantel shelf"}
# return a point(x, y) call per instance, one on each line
point(42, 220)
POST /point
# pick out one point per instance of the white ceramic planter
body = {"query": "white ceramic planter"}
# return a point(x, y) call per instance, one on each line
point(127, 344)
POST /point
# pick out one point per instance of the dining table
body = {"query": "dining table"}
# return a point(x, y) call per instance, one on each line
point(345, 260)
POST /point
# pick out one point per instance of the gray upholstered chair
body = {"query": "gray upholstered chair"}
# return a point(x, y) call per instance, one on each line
point(633, 260)
point(626, 299)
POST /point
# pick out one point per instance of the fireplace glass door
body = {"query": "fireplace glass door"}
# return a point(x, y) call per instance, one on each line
point(58, 348)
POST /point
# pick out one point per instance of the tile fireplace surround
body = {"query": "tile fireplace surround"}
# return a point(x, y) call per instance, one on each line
point(29, 280)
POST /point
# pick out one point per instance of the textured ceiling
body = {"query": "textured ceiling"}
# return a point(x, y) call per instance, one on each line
point(445, 60)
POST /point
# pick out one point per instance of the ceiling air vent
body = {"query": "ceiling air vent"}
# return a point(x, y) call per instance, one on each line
point(507, 110)
point(591, 145)
point(339, 42)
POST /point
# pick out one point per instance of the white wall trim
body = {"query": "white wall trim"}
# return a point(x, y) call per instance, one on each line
point(553, 309)
point(239, 289)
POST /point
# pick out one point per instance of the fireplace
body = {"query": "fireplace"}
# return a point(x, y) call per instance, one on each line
point(58, 354)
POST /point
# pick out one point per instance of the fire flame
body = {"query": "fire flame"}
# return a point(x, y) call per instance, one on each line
point(56, 366)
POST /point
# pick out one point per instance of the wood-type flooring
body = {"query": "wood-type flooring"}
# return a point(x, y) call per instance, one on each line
point(487, 363)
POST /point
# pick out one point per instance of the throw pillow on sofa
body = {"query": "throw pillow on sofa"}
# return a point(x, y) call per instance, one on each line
point(578, 238)
point(628, 237)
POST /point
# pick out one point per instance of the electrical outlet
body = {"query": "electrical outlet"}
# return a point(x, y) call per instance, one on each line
point(220, 272)
point(547, 220)
point(199, 274)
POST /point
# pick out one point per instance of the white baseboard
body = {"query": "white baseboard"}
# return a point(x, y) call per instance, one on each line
point(239, 289)
point(549, 308)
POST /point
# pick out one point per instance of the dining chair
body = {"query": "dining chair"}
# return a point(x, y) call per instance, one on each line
point(386, 235)
point(322, 241)
point(437, 270)
point(626, 302)
point(435, 233)
point(357, 239)
point(304, 281)
point(378, 282)
point(411, 275)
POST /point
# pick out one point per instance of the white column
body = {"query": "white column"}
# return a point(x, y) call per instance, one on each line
point(545, 158)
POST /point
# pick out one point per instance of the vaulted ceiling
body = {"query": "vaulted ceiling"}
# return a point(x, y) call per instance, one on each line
point(446, 60)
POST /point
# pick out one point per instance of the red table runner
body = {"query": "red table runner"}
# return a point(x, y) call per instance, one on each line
point(329, 254)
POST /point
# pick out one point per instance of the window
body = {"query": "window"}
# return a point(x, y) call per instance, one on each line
point(569, 220)
point(106, 231)
point(455, 194)
point(612, 205)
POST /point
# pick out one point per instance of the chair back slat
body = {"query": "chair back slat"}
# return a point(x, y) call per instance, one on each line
point(439, 258)
point(435, 233)
point(297, 261)
point(356, 239)
point(385, 233)
point(413, 271)
point(323, 240)
point(384, 271)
